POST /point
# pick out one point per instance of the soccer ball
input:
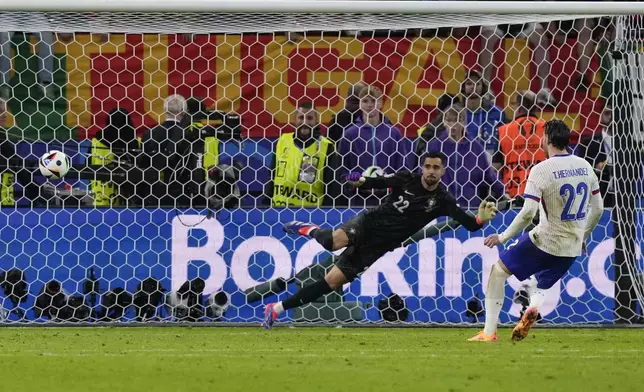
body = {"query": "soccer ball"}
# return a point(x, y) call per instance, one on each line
point(54, 164)
point(373, 171)
point(218, 303)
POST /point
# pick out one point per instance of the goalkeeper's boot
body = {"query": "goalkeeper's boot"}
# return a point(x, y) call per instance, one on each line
point(302, 228)
point(527, 321)
point(481, 337)
point(270, 315)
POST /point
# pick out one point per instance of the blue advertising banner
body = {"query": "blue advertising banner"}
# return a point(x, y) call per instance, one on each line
point(244, 247)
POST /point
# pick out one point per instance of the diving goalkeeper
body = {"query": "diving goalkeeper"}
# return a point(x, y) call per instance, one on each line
point(415, 200)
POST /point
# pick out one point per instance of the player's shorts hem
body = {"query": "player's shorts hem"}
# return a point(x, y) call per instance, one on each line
point(523, 258)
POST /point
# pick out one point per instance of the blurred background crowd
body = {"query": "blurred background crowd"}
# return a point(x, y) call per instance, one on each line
point(206, 150)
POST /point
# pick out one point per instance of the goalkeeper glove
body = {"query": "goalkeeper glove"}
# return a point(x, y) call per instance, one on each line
point(487, 212)
point(355, 179)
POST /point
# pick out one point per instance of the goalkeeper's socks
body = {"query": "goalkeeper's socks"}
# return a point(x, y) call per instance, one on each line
point(278, 308)
point(323, 236)
point(304, 296)
point(494, 296)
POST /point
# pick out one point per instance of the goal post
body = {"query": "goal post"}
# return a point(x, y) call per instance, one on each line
point(629, 147)
point(190, 229)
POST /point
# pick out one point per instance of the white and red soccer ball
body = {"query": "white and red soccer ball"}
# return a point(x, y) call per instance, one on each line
point(54, 164)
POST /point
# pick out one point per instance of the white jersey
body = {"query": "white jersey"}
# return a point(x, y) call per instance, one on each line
point(563, 185)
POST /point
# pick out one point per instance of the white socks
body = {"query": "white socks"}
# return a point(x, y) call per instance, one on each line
point(537, 296)
point(494, 297)
point(278, 308)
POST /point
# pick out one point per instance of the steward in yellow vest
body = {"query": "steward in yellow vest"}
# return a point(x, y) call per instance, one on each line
point(304, 165)
point(8, 178)
point(7, 152)
point(111, 147)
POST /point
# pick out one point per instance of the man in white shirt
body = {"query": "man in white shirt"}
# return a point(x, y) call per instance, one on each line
point(561, 188)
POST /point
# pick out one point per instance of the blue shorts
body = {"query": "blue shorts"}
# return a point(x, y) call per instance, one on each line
point(523, 259)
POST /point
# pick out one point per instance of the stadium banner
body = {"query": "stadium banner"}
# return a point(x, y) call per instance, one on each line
point(241, 248)
point(263, 76)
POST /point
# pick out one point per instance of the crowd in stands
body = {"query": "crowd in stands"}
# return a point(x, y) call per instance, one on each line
point(488, 154)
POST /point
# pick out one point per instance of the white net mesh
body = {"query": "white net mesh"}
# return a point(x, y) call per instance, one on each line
point(125, 234)
point(237, 23)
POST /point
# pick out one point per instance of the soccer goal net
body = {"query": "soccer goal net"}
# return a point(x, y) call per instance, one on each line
point(196, 129)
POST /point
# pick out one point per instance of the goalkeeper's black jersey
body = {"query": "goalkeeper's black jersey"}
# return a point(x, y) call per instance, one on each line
point(408, 208)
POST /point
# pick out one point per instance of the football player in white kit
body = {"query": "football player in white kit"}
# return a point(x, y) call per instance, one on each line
point(562, 188)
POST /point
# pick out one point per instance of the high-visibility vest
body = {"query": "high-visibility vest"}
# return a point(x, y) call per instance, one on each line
point(520, 143)
point(211, 147)
point(288, 189)
point(105, 192)
point(7, 198)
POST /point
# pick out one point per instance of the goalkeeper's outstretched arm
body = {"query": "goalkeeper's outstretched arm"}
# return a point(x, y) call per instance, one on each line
point(452, 224)
point(487, 212)
point(432, 230)
point(383, 182)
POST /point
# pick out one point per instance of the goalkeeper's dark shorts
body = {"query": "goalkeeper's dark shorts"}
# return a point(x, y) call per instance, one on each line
point(354, 261)
point(366, 246)
point(367, 231)
point(370, 237)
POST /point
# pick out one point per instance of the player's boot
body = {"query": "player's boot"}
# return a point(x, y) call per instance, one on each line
point(527, 321)
point(302, 228)
point(270, 315)
point(481, 337)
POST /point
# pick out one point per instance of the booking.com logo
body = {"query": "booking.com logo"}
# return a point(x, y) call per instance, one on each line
point(451, 260)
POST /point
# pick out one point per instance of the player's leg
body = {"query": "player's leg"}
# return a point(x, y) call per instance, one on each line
point(307, 294)
point(494, 297)
point(552, 269)
point(333, 280)
point(330, 239)
point(351, 263)
point(276, 286)
point(518, 260)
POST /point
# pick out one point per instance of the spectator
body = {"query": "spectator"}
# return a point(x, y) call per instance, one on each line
point(46, 63)
point(347, 116)
point(596, 150)
point(520, 147)
point(536, 35)
point(372, 143)
point(435, 126)
point(483, 116)
point(164, 146)
point(304, 164)
point(9, 167)
point(468, 174)
point(111, 147)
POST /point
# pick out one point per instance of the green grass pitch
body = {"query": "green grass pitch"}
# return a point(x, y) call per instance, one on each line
point(317, 359)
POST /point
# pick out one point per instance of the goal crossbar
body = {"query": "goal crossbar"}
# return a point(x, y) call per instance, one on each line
point(329, 6)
